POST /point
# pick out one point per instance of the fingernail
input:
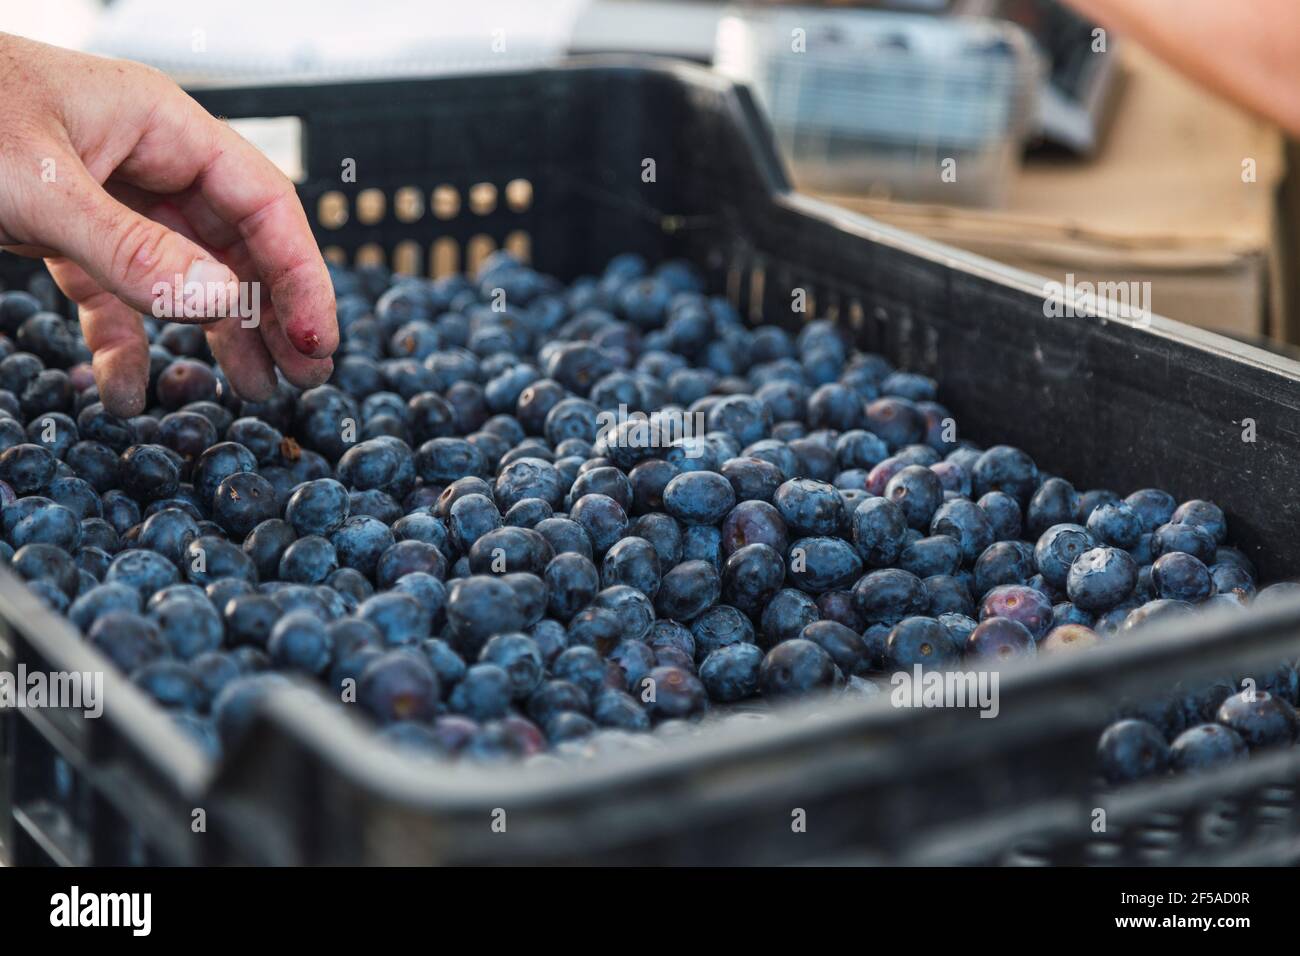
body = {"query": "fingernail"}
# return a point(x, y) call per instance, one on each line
point(215, 281)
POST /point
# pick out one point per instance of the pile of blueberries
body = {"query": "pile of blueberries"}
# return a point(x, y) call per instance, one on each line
point(526, 519)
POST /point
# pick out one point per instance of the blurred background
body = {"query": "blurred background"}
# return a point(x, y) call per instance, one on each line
point(1012, 128)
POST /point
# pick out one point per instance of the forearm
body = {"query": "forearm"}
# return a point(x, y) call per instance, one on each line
point(1247, 52)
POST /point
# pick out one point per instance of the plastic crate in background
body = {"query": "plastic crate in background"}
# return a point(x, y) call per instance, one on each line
point(1104, 402)
point(869, 101)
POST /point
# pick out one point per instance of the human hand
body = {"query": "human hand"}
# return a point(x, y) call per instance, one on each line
point(121, 182)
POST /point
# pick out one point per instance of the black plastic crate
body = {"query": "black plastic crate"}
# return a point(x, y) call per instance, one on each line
point(1102, 402)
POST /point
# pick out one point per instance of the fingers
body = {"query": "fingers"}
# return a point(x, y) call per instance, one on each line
point(243, 189)
point(235, 341)
point(242, 354)
point(301, 370)
point(137, 259)
point(115, 337)
point(247, 350)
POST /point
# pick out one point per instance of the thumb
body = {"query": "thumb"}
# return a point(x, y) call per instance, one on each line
point(138, 260)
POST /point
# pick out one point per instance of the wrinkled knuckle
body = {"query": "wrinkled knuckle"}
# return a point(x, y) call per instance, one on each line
point(137, 251)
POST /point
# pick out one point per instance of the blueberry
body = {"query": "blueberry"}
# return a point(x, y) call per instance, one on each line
point(100, 600)
point(172, 684)
point(649, 479)
point(528, 477)
point(946, 594)
point(146, 571)
point(1153, 507)
point(1003, 562)
point(359, 541)
point(633, 610)
point(923, 641)
point(1259, 718)
point(918, 493)
point(216, 464)
point(926, 557)
point(249, 619)
point(1054, 502)
point(822, 564)
point(568, 725)
point(189, 626)
point(786, 615)
point(1193, 539)
point(37, 520)
point(960, 626)
point(1019, 603)
point(399, 685)
point(1204, 747)
point(732, 673)
point(844, 645)
point(890, 595)
point(675, 693)
point(1158, 610)
point(27, 468)
point(300, 642)
point(214, 670)
point(479, 607)
point(896, 421)
point(510, 550)
point(698, 497)
point(443, 460)
point(965, 521)
point(1004, 468)
point(1057, 549)
point(1101, 578)
point(446, 663)
point(384, 464)
point(720, 626)
point(556, 697)
point(1180, 577)
point(584, 668)
point(743, 416)
point(521, 659)
point(632, 661)
point(471, 517)
point(602, 518)
point(635, 562)
point(753, 522)
point(613, 708)
point(76, 495)
point(128, 639)
point(1203, 514)
point(243, 501)
point(1090, 501)
point(1065, 612)
point(1132, 750)
point(1117, 524)
point(399, 618)
point(999, 639)
point(185, 381)
point(207, 559)
point(702, 543)
point(527, 512)
point(796, 666)
point(1228, 579)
